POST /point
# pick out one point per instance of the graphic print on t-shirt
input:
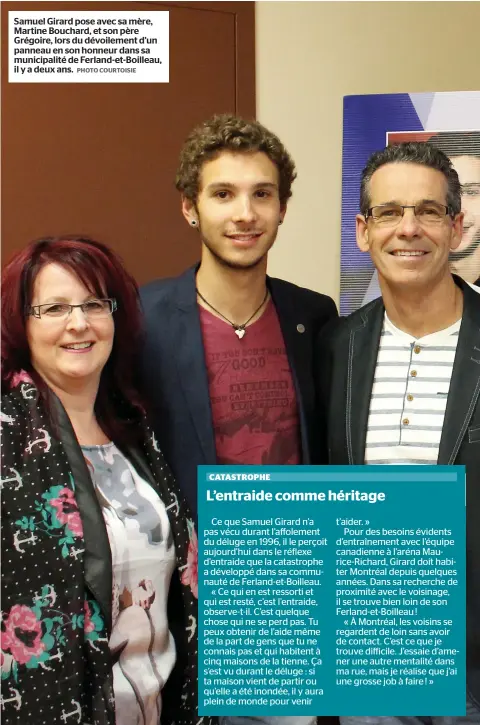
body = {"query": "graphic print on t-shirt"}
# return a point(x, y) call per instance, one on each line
point(141, 543)
point(253, 399)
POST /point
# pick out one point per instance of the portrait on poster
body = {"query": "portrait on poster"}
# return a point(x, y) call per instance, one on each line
point(447, 120)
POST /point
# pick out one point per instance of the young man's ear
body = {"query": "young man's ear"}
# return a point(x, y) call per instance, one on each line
point(362, 233)
point(189, 212)
point(283, 211)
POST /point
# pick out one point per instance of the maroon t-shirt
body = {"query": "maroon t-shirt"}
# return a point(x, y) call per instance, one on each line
point(253, 399)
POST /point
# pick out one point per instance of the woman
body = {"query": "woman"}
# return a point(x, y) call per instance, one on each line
point(97, 543)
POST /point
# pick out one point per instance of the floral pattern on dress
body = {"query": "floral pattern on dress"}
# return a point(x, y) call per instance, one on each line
point(33, 635)
point(66, 510)
point(57, 516)
point(190, 572)
point(23, 634)
point(20, 377)
point(91, 621)
point(44, 571)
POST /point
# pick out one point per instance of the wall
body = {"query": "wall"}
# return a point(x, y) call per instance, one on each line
point(311, 54)
point(106, 167)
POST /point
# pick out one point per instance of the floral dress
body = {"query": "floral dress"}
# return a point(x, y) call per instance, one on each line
point(57, 604)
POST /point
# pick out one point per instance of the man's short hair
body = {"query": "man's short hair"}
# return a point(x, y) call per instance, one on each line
point(457, 143)
point(226, 132)
point(412, 152)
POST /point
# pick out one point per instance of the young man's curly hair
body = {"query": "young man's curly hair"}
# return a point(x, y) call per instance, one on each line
point(226, 132)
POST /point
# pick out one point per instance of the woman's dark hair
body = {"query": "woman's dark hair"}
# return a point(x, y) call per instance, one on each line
point(119, 401)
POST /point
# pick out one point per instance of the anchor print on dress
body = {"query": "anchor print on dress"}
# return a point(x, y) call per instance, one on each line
point(155, 443)
point(91, 642)
point(75, 553)
point(27, 391)
point(77, 712)
point(45, 441)
point(58, 656)
point(15, 697)
point(16, 478)
point(192, 628)
point(48, 593)
point(4, 418)
point(17, 541)
point(175, 505)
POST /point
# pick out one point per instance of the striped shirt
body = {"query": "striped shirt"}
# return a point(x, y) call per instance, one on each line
point(409, 395)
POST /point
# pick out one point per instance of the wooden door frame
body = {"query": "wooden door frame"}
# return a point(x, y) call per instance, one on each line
point(244, 12)
point(244, 17)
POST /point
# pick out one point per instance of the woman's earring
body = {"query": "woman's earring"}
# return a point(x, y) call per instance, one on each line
point(193, 223)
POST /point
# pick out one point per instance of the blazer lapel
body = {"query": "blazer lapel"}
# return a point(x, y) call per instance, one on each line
point(465, 382)
point(97, 557)
point(362, 359)
point(187, 344)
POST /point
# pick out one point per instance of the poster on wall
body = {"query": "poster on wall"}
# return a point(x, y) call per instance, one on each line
point(451, 121)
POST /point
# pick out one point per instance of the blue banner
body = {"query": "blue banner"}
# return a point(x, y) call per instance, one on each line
point(334, 590)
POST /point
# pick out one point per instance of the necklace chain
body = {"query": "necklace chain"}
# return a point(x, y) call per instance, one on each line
point(239, 329)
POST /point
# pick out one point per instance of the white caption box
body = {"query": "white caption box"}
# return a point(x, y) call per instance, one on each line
point(88, 47)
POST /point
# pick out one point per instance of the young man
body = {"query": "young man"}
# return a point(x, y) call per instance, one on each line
point(401, 378)
point(228, 356)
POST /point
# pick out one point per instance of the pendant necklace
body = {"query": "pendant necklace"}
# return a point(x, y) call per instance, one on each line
point(239, 329)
